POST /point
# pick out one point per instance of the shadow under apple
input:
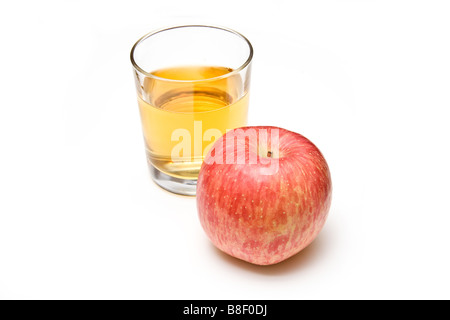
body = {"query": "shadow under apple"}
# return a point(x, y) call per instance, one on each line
point(290, 265)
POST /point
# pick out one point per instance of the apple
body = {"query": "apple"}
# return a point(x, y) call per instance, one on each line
point(263, 193)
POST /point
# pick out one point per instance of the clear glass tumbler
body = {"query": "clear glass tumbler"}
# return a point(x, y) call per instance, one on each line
point(192, 85)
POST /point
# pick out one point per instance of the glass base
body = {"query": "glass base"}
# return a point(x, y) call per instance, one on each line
point(183, 187)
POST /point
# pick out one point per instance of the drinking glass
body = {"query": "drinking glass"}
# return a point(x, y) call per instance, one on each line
point(192, 86)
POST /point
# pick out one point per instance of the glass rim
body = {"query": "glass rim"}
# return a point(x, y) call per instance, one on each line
point(151, 33)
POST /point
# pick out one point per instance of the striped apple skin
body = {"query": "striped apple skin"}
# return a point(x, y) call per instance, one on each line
point(267, 210)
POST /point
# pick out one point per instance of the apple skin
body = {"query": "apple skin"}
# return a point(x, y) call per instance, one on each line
point(264, 218)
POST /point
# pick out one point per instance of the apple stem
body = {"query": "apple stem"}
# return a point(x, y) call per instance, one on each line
point(269, 154)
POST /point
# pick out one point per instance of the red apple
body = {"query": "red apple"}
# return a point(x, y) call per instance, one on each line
point(263, 193)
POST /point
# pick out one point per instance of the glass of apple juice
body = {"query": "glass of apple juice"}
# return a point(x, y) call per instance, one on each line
point(192, 86)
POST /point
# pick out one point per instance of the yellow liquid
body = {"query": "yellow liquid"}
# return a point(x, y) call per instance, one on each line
point(182, 119)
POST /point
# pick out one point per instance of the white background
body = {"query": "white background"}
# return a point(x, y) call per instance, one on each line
point(367, 81)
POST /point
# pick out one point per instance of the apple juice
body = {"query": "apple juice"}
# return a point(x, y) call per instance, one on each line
point(181, 119)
